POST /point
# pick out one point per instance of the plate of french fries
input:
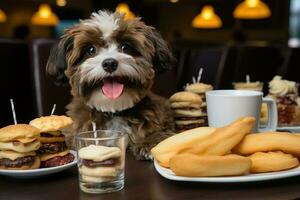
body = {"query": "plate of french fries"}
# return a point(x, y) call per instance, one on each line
point(228, 154)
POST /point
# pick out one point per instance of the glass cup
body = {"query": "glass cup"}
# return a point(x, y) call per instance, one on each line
point(101, 160)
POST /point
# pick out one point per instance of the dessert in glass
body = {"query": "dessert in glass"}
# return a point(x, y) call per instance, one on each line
point(285, 93)
point(101, 160)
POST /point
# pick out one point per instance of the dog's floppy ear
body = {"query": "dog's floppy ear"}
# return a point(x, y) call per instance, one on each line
point(57, 62)
point(163, 58)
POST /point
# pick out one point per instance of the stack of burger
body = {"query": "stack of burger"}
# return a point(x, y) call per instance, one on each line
point(53, 151)
point(18, 144)
point(187, 111)
point(201, 89)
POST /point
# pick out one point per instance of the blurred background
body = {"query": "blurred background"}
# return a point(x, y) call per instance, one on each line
point(227, 38)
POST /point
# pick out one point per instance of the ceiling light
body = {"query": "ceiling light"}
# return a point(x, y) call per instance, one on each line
point(207, 19)
point(252, 9)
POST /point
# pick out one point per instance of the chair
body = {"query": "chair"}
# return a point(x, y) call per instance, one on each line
point(15, 82)
point(260, 62)
point(208, 59)
point(291, 66)
point(46, 93)
point(227, 66)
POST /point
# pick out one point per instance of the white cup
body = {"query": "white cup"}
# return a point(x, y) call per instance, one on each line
point(226, 106)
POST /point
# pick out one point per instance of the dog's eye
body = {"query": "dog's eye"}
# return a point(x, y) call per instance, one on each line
point(91, 50)
point(126, 48)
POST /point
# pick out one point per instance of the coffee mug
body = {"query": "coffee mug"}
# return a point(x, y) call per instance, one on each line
point(226, 106)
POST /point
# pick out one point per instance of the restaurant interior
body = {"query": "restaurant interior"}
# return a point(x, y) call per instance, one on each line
point(229, 45)
point(216, 44)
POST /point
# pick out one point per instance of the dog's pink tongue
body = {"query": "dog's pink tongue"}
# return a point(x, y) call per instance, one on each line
point(112, 89)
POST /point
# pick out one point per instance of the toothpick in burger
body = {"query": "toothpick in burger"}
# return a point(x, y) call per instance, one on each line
point(53, 151)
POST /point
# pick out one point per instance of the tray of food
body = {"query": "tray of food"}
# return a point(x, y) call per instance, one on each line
point(228, 154)
point(35, 149)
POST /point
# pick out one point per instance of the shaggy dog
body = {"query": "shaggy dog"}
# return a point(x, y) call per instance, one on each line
point(111, 64)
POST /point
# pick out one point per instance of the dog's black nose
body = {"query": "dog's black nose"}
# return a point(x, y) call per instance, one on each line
point(110, 65)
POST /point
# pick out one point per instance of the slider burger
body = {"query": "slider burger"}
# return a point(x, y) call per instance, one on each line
point(53, 151)
point(187, 111)
point(100, 163)
point(18, 144)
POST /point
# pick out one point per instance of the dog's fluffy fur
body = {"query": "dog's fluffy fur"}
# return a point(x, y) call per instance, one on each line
point(141, 54)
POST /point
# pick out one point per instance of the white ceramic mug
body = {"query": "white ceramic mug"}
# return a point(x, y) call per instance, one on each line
point(226, 106)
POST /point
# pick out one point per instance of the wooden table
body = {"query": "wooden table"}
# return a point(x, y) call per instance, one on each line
point(143, 182)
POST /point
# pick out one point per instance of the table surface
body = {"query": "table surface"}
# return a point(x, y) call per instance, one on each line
point(143, 182)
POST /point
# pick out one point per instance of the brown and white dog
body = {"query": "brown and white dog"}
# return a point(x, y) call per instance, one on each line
point(110, 64)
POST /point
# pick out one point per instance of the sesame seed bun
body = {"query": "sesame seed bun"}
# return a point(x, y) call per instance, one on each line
point(20, 132)
point(51, 123)
point(186, 97)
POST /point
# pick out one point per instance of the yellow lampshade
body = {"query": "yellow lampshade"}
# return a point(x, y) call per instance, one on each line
point(124, 8)
point(252, 9)
point(207, 19)
point(61, 3)
point(44, 16)
point(3, 16)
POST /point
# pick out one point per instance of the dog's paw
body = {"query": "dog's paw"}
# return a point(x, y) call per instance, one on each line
point(142, 153)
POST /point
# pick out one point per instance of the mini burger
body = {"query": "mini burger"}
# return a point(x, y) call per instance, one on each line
point(187, 111)
point(18, 144)
point(53, 151)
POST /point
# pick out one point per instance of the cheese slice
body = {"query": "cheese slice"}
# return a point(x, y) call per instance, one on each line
point(20, 147)
point(12, 155)
point(45, 157)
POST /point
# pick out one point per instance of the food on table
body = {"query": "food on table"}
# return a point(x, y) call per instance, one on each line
point(223, 139)
point(169, 147)
point(53, 151)
point(18, 144)
point(200, 89)
point(255, 86)
point(187, 111)
point(269, 141)
point(100, 163)
point(285, 93)
point(272, 161)
point(194, 165)
point(221, 151)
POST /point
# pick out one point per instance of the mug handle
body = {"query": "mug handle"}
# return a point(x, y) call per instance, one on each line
point(272, 116)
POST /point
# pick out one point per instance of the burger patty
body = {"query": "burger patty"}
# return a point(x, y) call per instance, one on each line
point(19, 162)
point(52, 147)
point(50, 135)
point(105, 163)
point(189, 126)
point(191, 118)
point(58, 161)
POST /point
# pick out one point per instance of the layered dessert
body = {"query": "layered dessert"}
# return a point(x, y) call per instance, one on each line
point(18, 146)
point(53, 151)
point(201, 89)
point(100, 163)
point(285, 93)
point(255, 86)
point(188, 112)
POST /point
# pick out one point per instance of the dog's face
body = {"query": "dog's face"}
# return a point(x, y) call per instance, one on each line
point(109, 62)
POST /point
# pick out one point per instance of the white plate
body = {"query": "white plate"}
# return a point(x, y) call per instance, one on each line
point(38, 172)
point(293, 129)
point(168, 174)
